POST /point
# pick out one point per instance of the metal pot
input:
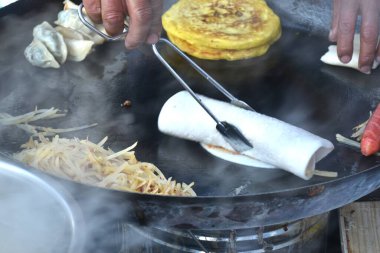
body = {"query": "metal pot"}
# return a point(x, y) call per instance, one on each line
point(36, 216)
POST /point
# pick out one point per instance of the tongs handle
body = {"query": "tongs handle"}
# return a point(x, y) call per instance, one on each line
point(217, 85)
point(94, 29)
point(178, 77)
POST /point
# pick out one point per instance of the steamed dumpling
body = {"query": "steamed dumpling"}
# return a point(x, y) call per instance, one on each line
point(38, 55)
point(69, 18)
point(53, 40)
point(78, 49)
point(69, 5)
point(94, 37)
point(69, 33)
point(78, 45)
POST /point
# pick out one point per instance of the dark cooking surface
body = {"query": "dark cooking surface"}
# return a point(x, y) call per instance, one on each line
point(289, 83)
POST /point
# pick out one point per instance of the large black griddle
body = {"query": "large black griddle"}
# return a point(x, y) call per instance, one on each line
point(289, 83)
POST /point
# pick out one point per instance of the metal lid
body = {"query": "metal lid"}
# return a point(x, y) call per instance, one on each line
point(35, 216)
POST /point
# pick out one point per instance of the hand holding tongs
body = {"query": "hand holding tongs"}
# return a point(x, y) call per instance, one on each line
point(231, 134)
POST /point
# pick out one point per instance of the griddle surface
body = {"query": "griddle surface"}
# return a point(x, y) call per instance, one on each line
point(289, 83)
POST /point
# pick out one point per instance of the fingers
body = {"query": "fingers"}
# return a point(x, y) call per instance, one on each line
point(109, 12)
point(144, 18)
point(113, 15)
point(141, 14)
point(334, 24)
point(369, 33)
point(156, 25)
point(93, 10)
point(346, 29)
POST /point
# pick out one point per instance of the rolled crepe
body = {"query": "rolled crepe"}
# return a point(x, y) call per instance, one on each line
point(275, 142)
point(331, 56)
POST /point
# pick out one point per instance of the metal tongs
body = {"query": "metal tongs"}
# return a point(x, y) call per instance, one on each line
point(230, 133)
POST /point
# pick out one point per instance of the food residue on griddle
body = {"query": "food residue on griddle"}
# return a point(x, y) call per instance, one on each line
point(126, 104)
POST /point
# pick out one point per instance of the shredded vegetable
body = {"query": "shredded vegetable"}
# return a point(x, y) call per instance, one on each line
point(359, 129)
point(349, 142)
point(90, 163)
point(340, 138)
point(22, 121)
point(323, 173)
point(357, 134)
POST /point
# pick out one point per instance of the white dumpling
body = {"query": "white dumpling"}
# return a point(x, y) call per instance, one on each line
point(53, 40)
point(98, 39)
point(69, 5)
point(70, 19)
point(69, 33)
point(78, 46)
point(38, 55)
point(78, 49)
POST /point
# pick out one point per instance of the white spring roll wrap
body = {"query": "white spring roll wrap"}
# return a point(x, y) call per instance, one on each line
point(275, 142)
point(331, 56)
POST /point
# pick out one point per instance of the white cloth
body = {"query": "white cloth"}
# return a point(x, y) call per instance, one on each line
point(275, 142)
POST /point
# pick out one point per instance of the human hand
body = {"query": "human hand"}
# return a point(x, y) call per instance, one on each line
point(345, 15)
point(144, 18)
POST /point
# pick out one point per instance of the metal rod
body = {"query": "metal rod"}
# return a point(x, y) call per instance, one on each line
point(197, 241)
point(183, 83)
point(215, 83)
point(104, 35)
point(232, 247)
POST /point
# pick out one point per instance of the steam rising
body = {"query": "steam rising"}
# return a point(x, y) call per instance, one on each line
point(89, 91)
point(86, 90)
point(93, 90)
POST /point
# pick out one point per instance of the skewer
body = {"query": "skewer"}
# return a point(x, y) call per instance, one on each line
point(230, 133)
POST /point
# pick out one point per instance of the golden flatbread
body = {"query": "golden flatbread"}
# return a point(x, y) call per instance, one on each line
point(223, 24)
point(217, 54)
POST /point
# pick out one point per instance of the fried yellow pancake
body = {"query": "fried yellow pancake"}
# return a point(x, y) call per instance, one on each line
point(223, 24)
point(217, 54)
